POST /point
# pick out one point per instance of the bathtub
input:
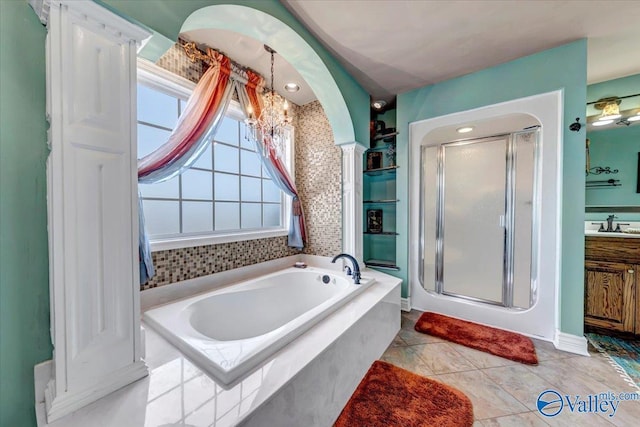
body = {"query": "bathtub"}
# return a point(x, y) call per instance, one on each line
point(229, 331)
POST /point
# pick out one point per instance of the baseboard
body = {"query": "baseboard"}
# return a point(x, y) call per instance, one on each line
point(64, 404)
point(405, 304)
point(571, 343)
point(41, 376)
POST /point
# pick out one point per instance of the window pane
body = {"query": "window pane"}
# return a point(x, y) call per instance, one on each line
point(197, 217)
point(165, 190)
point(250, 163)
point(197, 185)
point(270, 193)
point(227, 187)
point(225, 158)
point(204, 161)
point(227, 216)
point(161, 218)
point(271, 215)
point(250, 189)
point(265, 174)
point(244, 140)
point(157, 108)
point(150, 138)
point(228, 131)
point(251, 215)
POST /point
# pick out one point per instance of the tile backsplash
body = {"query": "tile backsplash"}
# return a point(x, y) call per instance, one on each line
point(176, 265)
point(318, 178)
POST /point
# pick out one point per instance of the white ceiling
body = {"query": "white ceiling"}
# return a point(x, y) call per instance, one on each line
point(251, 53)
point(391, 47)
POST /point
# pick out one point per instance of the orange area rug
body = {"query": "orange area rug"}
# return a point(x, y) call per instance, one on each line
point(495, 341)
point(389, 396)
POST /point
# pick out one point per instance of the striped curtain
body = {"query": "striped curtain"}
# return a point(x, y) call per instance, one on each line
point(249, 96)
point(193, 132)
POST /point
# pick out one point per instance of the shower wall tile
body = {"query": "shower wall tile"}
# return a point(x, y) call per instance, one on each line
point(318, 178)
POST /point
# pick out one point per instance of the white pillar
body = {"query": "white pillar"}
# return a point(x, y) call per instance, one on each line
point(92, 203)
point(352, 199)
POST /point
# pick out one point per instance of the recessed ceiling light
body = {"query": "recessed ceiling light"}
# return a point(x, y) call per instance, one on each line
point(465, 129)
point(602, 122)
point(291, 87)
point(379, 104)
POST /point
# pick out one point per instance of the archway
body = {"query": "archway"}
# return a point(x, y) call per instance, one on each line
point(290, 45)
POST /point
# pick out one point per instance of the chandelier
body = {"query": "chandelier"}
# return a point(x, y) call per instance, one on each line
point(270, 128)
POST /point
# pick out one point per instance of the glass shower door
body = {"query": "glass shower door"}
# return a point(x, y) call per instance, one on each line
point(472, 219)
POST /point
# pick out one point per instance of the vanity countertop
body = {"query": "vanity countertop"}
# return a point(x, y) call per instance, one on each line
point(591, 229)
point(596, 233)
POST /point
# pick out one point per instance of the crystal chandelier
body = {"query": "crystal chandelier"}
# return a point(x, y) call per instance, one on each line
point(270, 127)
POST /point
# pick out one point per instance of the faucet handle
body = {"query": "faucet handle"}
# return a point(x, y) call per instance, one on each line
point(348, 270)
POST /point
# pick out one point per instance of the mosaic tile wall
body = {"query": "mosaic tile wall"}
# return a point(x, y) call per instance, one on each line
point(176, 265)
point(176, 61)
point(319, 180)
point(318, 177)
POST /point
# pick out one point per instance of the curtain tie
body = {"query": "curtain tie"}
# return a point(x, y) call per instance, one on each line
point(296, 206)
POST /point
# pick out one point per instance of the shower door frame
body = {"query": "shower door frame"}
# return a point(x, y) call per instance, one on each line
point(507, 218)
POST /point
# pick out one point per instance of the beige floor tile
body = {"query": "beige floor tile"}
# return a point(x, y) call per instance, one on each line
point(442, 358)
point(627, 414)
point(546, 351)
point(398, 342)
point(412, 315)
point(481, 359)
point(503, 392)
point(528, 419)
point(520, 382)
point(412, 337)
point(569, 419)
point(406, 358)
point(562, 375)
point(489, 400)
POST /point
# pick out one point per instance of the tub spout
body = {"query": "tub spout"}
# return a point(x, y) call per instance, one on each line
point(356, 267)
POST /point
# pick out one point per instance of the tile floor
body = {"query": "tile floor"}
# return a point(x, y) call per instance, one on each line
point(504, 393)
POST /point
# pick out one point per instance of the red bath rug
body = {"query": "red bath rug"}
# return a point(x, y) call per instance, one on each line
point(390, 396)
point(501, 343)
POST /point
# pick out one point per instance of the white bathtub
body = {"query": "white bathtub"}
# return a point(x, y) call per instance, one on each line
point(228, 332)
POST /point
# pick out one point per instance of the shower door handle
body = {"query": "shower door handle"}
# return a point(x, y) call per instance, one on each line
point(502, 221)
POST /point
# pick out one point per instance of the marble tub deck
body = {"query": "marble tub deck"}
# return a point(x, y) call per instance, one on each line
point(504, 393)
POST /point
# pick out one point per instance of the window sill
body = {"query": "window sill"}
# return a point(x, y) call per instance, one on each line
point(192, 241)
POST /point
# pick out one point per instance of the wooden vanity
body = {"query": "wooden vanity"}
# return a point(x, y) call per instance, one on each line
point(612, 289)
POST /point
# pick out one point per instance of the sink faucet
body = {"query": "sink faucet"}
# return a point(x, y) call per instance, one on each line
point(610, 222)
point(356, 267)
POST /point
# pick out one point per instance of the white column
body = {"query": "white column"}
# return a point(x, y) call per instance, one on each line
point(352, 199)
point(92, 203)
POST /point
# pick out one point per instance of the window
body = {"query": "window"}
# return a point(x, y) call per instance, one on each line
point(225, 196)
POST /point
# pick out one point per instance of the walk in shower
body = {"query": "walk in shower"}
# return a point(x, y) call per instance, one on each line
point(484, 211)
point(477, 212)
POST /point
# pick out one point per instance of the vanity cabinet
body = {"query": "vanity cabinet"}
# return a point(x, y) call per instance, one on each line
point(612, 292)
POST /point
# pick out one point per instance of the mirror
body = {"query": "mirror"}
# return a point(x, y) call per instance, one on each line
point(613, 149)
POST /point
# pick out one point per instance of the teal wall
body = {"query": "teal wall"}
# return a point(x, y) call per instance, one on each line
point(24, 289)
point(617, 148)
point(561, 68)
point(167, 16)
